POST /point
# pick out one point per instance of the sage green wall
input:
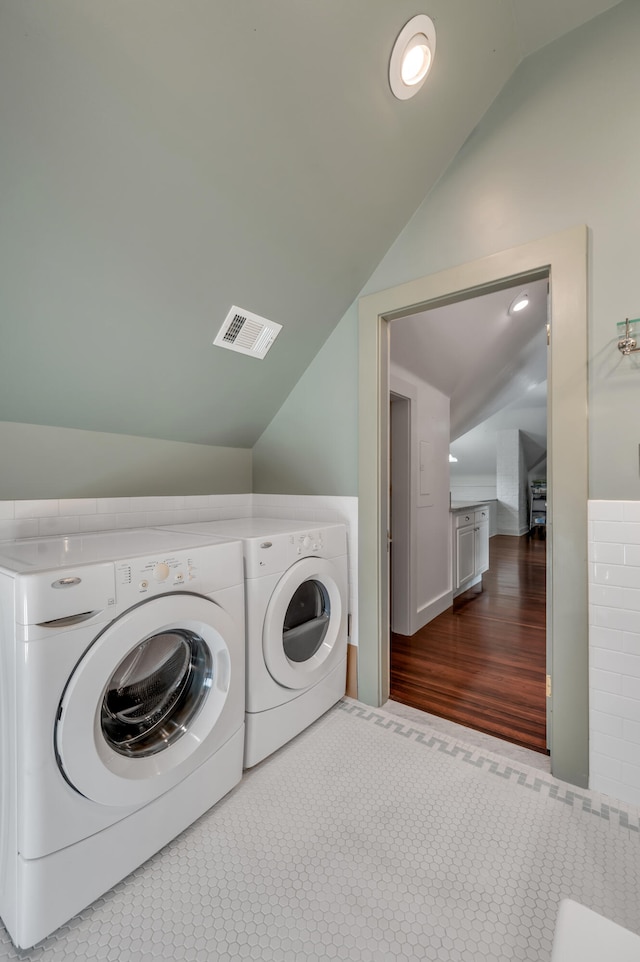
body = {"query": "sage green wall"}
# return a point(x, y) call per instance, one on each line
point(45, 462)
point(558, 148)
point(310, 447)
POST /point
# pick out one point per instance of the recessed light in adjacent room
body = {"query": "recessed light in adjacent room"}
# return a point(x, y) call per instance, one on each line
point(519, 302)
point(412, 56)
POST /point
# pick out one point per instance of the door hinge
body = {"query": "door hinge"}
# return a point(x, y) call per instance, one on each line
point(548, 691)
point(548, 334)
point(348, 626)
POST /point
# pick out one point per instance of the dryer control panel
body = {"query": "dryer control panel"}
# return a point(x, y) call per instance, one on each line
point(277, 553)
point(311, 543)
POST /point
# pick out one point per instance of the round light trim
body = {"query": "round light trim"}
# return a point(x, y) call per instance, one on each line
point(412, 56)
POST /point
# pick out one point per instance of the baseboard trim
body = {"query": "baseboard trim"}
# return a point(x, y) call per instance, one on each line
point(431, 610)
point(468, 584)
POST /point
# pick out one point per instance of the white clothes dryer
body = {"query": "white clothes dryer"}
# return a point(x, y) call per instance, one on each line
point(121, 709)
point(296, 592)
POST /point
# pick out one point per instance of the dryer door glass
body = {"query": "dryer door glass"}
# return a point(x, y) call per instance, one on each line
point(155, 692)
point(306, 621)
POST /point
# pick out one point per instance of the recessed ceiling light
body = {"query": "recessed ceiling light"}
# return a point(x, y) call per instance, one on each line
point(519, 303)
point(412, 56)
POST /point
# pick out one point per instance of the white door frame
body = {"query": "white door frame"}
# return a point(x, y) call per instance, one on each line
point(563, 257)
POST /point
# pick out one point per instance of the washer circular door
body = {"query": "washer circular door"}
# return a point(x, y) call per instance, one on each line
point(304, 631)
point(143, 706)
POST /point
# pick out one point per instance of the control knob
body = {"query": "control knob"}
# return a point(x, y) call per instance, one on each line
point(161, 571)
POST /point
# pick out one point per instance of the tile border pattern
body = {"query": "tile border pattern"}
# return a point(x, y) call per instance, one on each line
point(617, 813)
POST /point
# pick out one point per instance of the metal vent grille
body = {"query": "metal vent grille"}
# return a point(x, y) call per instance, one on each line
point(247, 333)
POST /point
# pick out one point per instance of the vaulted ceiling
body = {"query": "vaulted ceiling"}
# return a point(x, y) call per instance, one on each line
point(479, 353)
point(163, 160)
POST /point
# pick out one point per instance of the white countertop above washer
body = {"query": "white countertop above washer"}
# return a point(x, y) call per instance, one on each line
point(60, 551)
point(246, 528)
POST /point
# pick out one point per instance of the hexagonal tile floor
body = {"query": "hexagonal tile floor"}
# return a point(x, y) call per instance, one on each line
point(370, 838)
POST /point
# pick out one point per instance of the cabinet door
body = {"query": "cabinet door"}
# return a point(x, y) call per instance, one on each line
point(482, 547)
point(465, 554)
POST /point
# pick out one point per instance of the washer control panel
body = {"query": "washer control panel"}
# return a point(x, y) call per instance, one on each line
point(154, 576)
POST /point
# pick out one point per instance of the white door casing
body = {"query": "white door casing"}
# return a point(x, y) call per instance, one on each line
point(562, 257)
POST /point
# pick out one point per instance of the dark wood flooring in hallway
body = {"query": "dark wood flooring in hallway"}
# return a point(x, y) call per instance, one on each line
point(482, 662)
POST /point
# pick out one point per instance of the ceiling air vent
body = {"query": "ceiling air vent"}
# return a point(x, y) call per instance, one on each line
point(247, 333)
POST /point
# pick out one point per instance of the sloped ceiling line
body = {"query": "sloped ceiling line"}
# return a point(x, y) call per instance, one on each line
point(162, 162)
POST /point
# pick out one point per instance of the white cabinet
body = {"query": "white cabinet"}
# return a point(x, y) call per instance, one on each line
point(465, 554)
point(470, 547)
point(482, 541)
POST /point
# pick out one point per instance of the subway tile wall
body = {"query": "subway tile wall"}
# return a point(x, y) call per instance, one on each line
point(614, 648)
point(473, 488)
point(38, 519)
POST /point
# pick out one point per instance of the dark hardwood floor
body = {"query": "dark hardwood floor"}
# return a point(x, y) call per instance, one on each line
point(482, 662)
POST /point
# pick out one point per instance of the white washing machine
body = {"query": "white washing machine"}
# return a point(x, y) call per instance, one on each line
point(296, 584)
point(121, 709)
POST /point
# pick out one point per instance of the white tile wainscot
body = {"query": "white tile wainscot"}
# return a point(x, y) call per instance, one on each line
point(614, 648)
point(39, 519)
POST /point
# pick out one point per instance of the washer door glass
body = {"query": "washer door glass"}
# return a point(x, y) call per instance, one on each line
point(306, 621)
point(158, 691)
point(304, 635)
point(155, 692)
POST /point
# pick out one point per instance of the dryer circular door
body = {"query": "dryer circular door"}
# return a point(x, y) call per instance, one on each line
point(304, 633)
point(146, 703)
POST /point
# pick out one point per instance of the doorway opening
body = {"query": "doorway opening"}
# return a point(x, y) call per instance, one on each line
point(482, 662)
point(469, 381)
point(563, 257)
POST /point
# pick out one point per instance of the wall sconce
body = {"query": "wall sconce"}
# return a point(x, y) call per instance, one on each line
point(628, 344)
